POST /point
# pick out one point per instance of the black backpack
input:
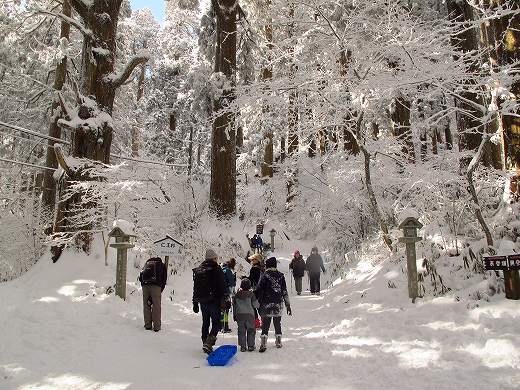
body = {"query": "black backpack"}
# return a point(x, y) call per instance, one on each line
point(202, 284)
point(149, 273)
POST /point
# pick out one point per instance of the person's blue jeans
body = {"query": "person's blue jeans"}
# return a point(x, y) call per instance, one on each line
point(210, 316)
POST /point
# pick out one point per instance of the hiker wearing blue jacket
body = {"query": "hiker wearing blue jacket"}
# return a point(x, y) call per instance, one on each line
point(231, 281)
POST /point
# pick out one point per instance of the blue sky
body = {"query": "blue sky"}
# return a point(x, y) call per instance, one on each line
point(157, 7)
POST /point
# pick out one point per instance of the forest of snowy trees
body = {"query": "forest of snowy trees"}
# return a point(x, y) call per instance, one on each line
point(334, 118)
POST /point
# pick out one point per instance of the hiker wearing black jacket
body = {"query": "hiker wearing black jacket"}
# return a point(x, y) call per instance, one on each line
point(297, 265)
point(153, 280)
point(209, 291)
point(271, 293)
point(314, 265)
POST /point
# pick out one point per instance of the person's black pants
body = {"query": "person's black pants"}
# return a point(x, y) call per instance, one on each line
point(314, 279)
point(210, 316)
point(266, 324)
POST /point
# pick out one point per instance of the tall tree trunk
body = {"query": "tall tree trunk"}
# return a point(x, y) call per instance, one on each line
point(435, 138)
point(448, 136)
point(292, 118)
point(91, 120)
point(400, 116)
point(470, 117)
point(190, 152)
point(223, 144)
point(503, 43)
point(323, 132)
point(349, 143)
point(267, 75)
point(135, 127)
point(471, 187)
point(49, 184)
point(282, 148)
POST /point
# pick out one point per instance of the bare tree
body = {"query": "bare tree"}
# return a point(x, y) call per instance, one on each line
point(60, 75)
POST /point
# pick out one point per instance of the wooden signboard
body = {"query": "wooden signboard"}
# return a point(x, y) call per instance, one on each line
point(496, 263)
point(514, 262)
point(167, 246)
point(510, 265)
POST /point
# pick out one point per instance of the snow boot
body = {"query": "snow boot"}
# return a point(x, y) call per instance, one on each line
point(251, 348)
point(226, 329)
point(263, 343)
point(243, 348)
point(208, 344)
point(278, 341)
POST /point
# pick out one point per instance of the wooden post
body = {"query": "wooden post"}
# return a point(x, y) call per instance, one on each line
point(122, 244)
point(411, 262)
point(121, 273)
point(409, 227)
point(512, 284)
point(166, 263)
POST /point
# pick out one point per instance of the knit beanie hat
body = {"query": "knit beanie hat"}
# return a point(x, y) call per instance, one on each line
point(271, 262)
point(211, 254)
point(245, 284)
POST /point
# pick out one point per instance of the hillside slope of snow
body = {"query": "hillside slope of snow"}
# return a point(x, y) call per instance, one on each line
point(60, 330)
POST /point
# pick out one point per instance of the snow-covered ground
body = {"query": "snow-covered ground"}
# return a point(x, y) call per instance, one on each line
point(59, 330)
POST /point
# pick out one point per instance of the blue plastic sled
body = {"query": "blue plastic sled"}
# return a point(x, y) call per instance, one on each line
point(222, 355)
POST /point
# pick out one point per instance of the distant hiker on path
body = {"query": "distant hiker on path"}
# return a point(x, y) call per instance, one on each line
point(257, 243)
point(231, 282)
point(209, 291)
point(297, 265)
point(314, 264)
point(271, 293)
point(244, 306)
point(153, 280)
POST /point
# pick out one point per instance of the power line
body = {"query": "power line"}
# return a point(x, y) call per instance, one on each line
point(27, 164)
point(58, 140)
point(147, 161)
point(35, 133)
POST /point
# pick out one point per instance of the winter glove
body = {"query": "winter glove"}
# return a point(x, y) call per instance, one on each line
point(195, 307)
point(289, 311)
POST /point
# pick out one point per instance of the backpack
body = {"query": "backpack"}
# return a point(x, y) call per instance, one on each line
point(149, 273)
point(202, 284)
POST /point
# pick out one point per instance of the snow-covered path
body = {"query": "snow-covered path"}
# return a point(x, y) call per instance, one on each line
point(59, 331)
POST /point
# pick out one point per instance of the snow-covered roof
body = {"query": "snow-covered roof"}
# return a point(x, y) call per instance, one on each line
point(126, 227)
point(168, 237)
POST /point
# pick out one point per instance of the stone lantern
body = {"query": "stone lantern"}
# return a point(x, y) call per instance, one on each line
point(122, 231)
point(272, 233)
point(409, 227)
